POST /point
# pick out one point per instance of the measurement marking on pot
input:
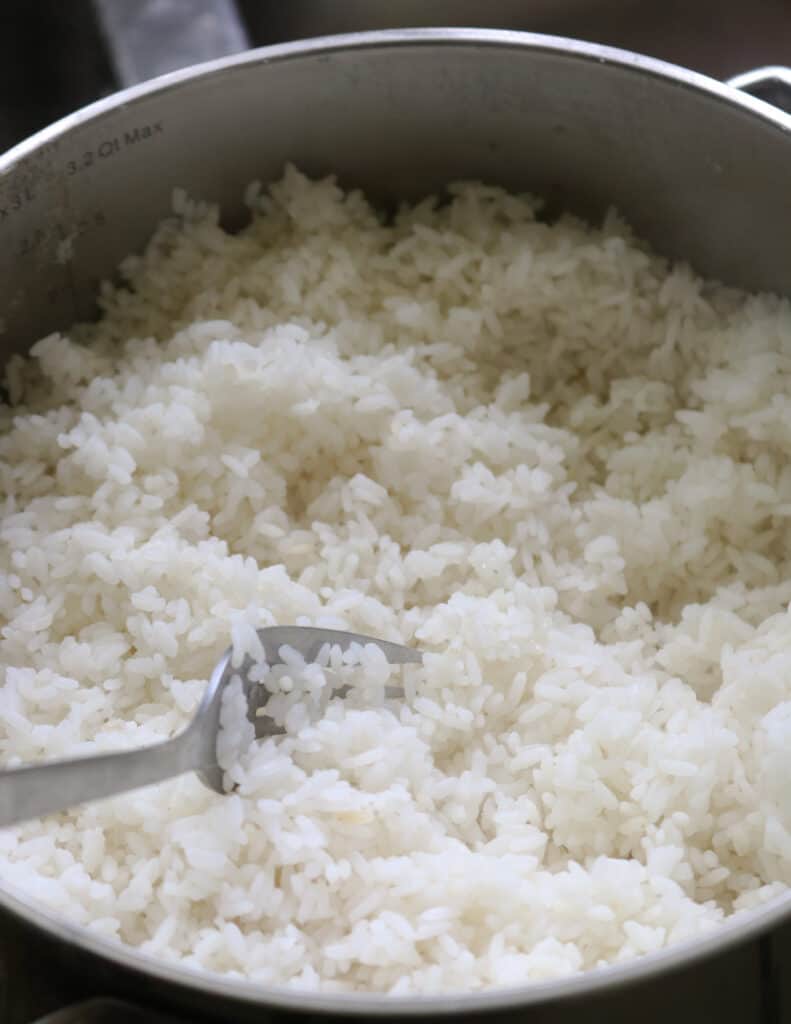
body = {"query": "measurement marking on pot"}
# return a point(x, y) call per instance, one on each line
point(115, 144)
point(57, 234)
point(23, 194)
point(14, 203)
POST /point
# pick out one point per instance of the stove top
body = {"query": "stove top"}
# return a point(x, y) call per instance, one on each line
point(56, 57)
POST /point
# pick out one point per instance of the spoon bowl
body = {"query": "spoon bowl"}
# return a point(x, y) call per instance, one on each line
point(34, 790)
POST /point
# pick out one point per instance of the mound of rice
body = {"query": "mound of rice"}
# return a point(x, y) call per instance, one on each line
point(554, 462)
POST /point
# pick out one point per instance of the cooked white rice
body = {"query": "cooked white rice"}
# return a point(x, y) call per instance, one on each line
point(548, 458)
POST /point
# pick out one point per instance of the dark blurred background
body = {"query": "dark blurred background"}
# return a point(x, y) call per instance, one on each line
point(54, 56)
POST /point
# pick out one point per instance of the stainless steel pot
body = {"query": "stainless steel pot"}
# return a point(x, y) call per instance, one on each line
point(699, 168)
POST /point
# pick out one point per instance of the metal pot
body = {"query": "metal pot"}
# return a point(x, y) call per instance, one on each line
point(699, 168)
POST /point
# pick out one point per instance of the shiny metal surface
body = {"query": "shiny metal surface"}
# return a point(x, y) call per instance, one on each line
point(716, 37)
point(34, 790)
point(771, 84)
point(698, 168)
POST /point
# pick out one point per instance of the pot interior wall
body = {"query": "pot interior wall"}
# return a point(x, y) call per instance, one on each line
point(702, 178)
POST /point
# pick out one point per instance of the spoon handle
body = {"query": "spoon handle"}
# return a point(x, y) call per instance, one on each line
point(39, 789)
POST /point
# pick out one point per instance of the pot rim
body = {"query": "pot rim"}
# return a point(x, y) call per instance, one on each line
point(393, 38)
point(736, 929)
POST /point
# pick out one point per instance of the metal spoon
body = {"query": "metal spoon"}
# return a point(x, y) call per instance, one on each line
point(38, 789)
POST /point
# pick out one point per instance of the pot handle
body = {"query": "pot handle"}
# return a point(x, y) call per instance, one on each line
point(771, 84)
point(147, 38)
